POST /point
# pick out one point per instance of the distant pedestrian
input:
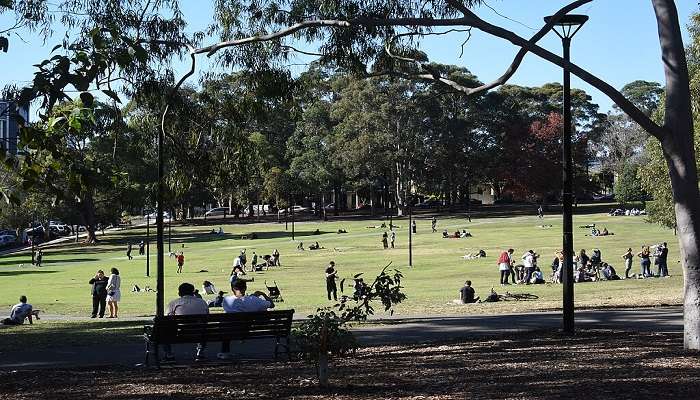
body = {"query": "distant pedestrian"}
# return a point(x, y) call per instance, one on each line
point(645, 261)
point(661, 260)
point(142, 248)
point(39, 258)
point(114, 284)
point(433, 224)
point(628, 257)
point(244, 259)
point(276, 255)
point(128, 250)
point(385, 242)
point(413, 226)
point(99, 293)
point(255, 260)
point(393, 238)
point(540, 212)
point(331, 276)
point(180, 257)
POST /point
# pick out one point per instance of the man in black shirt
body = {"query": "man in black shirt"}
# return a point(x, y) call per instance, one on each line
point(663, 260)
point(466, 293)
point(99, 293)
point(331, 275)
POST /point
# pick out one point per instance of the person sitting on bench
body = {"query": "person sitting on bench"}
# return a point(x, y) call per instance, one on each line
point(466, 293)
point(239, 302)
point(186, 304)
point(19, 312)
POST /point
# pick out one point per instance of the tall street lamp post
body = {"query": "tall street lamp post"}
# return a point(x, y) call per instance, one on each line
point(566, 28)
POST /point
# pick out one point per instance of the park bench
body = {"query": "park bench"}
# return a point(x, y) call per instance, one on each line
point(219, 327)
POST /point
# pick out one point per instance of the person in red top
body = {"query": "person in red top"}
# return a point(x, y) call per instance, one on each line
point(505, 261)
point(180, 261)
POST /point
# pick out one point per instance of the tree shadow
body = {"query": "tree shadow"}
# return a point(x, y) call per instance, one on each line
point(26, 272)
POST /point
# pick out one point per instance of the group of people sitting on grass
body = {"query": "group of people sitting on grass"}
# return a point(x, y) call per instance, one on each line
point(189, 304)
point(269, 260)
point(620, 211)
point(587, 268)
point(457, 235)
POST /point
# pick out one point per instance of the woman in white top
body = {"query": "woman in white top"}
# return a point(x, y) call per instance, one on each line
point(114, 284)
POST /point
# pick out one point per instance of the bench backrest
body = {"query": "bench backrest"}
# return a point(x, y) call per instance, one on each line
point(220, 327)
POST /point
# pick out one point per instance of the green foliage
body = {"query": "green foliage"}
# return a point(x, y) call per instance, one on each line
point(326, 331)
point(628, 187)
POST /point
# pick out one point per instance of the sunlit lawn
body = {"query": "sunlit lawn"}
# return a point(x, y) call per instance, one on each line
point(60, 286)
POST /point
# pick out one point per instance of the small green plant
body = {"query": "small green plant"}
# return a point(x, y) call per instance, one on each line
point(326, 332)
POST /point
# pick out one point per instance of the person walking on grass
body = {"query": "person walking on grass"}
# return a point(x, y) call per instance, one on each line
point(39, 257)
point(114, 295)
point(142, 248)
point(385, 240)
point(433, 224)
point(628, 257)
point(128, 250)
point(393, 238)
point(180, 258)
point(413, 226)
point(99, 294)
point(331, 276)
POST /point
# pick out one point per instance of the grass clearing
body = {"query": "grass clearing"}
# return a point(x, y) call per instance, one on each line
point(60, 286)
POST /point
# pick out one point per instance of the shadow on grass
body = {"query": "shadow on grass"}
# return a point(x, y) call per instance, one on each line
point(47, 260)
point(26, 272)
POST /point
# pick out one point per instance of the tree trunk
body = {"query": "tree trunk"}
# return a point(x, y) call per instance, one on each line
point(87, 212)
point(323, 369)
point(677, 144)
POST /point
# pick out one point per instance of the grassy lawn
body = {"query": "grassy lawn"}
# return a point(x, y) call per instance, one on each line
point(61, 287)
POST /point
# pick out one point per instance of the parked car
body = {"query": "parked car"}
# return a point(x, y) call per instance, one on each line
point(296, 209)
point(429, 204)
point(59, 228)
point(154, 215)
point(217, 211)
point(35, 231)
point(7, 240)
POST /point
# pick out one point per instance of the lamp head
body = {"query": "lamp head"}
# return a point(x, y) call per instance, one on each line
point(568, 25)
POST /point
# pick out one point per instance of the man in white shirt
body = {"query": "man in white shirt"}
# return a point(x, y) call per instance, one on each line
point(239, 302)
point(19, 312)
point(186, 304)
point(529, 263)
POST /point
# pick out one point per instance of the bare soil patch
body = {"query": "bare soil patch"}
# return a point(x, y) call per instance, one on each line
point(539, 365)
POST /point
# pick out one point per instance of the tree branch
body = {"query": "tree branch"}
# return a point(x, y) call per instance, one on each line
point(527, 46)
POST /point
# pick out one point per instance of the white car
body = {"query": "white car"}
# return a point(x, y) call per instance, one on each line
point(154, 215)
point(217, 211)
point(296, 209)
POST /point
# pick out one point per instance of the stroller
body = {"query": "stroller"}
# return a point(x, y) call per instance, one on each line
point(274, 292)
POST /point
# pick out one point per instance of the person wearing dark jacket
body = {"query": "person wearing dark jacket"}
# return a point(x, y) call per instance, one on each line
point(99, 293)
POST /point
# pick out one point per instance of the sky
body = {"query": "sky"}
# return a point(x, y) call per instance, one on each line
point(619, 43)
